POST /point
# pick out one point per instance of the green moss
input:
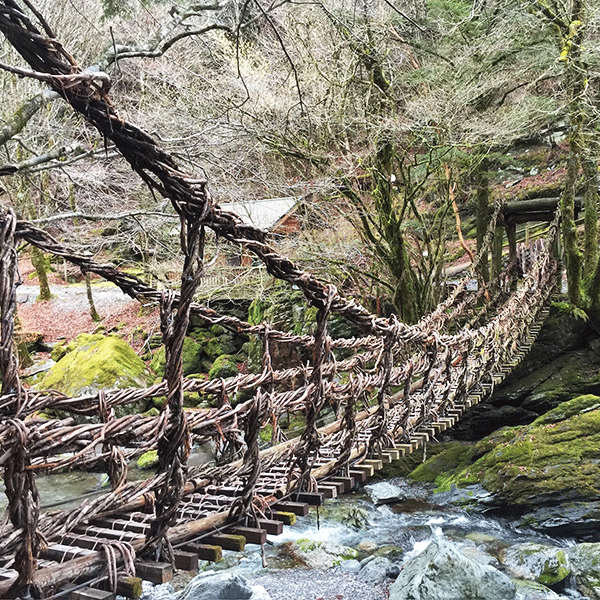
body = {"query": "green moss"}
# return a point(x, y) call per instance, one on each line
point(449, 458)
point(556, 456)
point(266, 433)
point(96, 362)
point(555, 570)
point(224, 366)
point(581, 404)
point(190, 358)
point(148, 460)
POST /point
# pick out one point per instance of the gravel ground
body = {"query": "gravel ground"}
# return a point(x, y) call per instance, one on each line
point(309, 584)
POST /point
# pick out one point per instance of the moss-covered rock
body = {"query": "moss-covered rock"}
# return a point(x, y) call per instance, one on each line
point(148, 460)
point(320, 555)
point(585, 566)
point(451, 455)
point(191, 355)
point(96, 362)
point(555, 459)
point(545, 564)
point(224, 366)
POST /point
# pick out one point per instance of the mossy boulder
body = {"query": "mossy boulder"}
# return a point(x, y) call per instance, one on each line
point(319, 555)
point(536, 562)
point(555, 459)
point(224, 366)
point(449, 457)
point(148, 460)
point(191, 355)
point(585, 566)
point(95, 362)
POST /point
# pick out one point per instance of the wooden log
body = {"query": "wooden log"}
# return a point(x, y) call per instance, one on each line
point(228, 541)
point(252, 535)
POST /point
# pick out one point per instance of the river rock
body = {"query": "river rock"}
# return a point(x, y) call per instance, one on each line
point(547, 565)
point(375, 572)
point(442, 572)
point(385, 493)
point(222, 586)
point(318, 555)
point(585, 566)
point(531, 590)
point(574, 519)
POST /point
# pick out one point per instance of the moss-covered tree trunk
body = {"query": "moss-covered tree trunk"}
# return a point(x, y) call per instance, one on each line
point(39, 262)
point(590, 174)
point(576, 84)
point(483, 201)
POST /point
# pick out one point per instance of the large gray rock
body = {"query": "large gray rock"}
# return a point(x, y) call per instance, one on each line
point(442, 572)
point(375, 571)
point(585, 565)
point(223, 586)
point(547, 565)
point(319, 555)
point(385, 493)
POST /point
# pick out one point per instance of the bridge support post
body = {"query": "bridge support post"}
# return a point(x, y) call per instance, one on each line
point(497, 246)
point(21, 491)
point(511, 234)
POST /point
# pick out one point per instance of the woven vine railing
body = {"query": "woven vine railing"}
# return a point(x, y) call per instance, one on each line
point(376, 390)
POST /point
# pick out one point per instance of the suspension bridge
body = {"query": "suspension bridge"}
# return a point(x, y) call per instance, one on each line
point(389, 390)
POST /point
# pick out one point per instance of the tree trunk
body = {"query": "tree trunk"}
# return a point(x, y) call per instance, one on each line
point(590, 173)
point(39, 262)
point(483, 200)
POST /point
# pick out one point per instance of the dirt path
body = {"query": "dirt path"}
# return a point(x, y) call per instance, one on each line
point(67, 314)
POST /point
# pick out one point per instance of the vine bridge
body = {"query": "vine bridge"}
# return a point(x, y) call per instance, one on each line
point(389, 390)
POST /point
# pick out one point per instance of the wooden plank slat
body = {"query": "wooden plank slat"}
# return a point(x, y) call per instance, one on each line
point(228, 541)
point(328, 491)
point(298, 508)
point(310, 498)
point(287, 518)
point(154, 572)
point(61, 552)
point(130, 587)
point(272, 527)
point(185, 561)
point(253, 535)
point(348, 482)
point(360, 476)
point(209, 552)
